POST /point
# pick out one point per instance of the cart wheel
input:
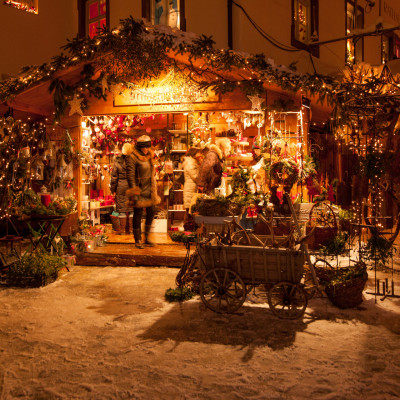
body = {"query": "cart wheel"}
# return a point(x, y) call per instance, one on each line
point(287, 300)
point(222, 290)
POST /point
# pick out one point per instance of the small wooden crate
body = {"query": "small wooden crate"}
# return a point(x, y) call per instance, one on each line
point(255, 265)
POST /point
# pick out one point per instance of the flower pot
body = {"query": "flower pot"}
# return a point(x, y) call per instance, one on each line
point(347, 294)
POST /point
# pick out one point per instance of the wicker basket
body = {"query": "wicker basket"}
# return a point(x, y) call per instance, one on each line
point(347, 294)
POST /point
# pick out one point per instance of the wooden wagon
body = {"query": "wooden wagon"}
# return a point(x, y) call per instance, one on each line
point(231, 270)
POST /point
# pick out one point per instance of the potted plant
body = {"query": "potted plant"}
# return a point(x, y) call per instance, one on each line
point(345, 216)
point(35, 270)
point(344, 285)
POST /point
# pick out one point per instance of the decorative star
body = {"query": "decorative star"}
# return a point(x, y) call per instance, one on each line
point(104, 85)
point(76, 105)
point(256, 102)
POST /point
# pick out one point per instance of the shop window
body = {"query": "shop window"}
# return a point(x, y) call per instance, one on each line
point(165, 12)
point(93, 16)
point(25, 5)
point(354, 20)
point(305, 24)
point(390, 47)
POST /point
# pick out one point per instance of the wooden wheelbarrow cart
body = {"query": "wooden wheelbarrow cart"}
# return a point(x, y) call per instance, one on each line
point(230, 270)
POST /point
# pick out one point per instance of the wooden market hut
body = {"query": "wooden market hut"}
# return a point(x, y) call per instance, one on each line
point(64, 92)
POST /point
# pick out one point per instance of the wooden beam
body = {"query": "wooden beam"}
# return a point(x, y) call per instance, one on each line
point(29, 108)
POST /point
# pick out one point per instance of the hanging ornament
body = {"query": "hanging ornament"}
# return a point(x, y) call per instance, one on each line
point(63, 164)
point(39, 170)
point(104, 85)
point(256, 102)
point(25, 152)
point(76, 105)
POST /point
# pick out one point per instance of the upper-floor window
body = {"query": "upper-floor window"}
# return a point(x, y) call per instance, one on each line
point(354, 20)
point(165, 12)
point(305, 24)
point(390, 47)
point(25, 5)
point(93, 16)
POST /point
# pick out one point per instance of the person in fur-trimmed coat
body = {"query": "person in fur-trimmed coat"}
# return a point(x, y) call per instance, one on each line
point(142, 190)
point(191, 171)
point(210, 170)
point(119, 186)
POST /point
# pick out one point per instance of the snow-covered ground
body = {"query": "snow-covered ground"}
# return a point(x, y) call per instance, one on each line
point(107, 333)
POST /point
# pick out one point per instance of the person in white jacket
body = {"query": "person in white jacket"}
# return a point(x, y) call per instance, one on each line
point(191, 171)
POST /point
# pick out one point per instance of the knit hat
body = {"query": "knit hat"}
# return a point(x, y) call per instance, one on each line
point(143, 141)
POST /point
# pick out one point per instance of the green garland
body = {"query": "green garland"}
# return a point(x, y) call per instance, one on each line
point(139, 52)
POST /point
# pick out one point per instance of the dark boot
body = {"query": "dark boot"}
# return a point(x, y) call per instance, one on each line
point(121, 228)
point(147, 241)
point(128, 226)
point(137, 235)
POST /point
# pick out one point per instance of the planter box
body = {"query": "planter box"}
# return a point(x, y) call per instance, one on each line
point(214, 224)
point(302, 211)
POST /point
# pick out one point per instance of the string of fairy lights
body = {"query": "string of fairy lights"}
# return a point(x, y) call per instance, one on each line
point(137, 52)
point(365, 122)
point(23, 147)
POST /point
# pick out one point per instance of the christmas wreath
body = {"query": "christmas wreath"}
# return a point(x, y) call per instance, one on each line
point(285, 171)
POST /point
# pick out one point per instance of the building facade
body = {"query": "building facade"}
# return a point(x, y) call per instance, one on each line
point(287, 31)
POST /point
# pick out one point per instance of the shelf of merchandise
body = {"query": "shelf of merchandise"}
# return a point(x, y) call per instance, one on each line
point(177, 153)
point(238, 158)
point(178, 131)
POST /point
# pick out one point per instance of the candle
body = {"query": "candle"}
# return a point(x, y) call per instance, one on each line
point(45, 199)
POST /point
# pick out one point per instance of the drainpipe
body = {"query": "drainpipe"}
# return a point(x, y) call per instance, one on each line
point(230, 33)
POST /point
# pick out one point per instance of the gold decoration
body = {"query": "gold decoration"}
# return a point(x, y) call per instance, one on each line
point(76, 105)
point(256, 102)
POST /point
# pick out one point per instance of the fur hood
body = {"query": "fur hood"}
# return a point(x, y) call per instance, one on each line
point(214, 147)
point(142, 157)
point(127, 149)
